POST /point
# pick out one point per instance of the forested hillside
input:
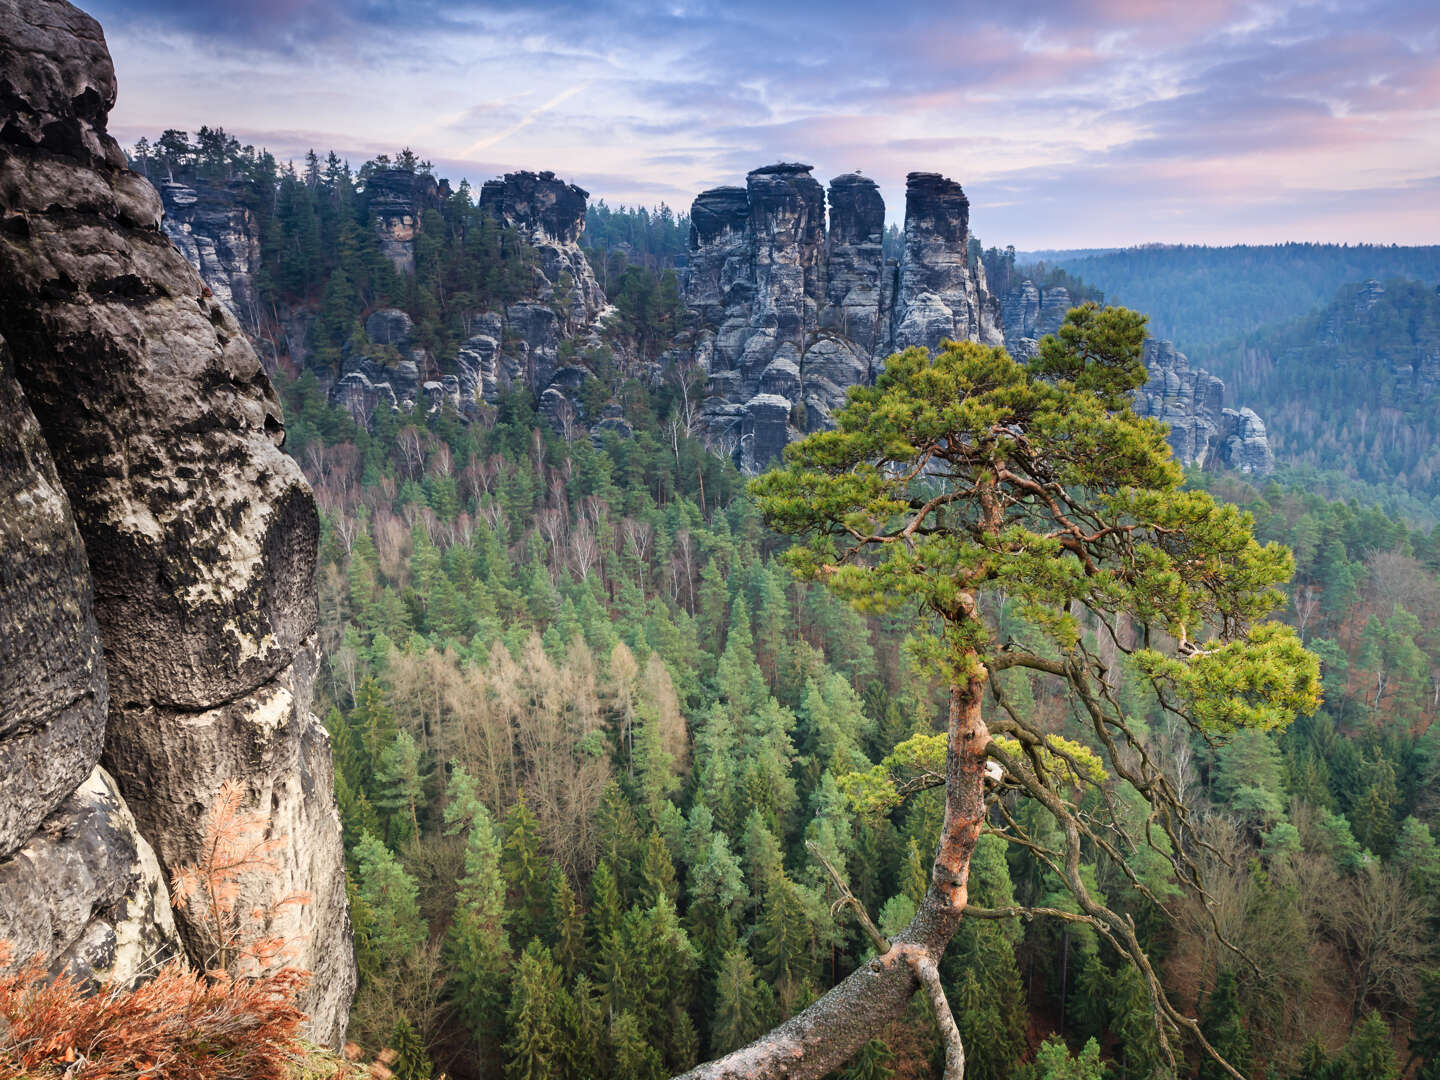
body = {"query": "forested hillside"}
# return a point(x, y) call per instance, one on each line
point(1352, 386)
point(587, 729)
point(1201, 297)
point(586, 725)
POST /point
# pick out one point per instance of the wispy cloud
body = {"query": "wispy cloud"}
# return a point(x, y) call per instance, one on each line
point(1071, 122)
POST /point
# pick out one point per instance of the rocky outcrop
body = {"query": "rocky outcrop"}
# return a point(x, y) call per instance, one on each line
point(567, 301)
point(1203, 432)
point(79, 886)
point(398, 199)
point(218, 236)
point(791, 309)
point(521, 343)
point(199, 533)
point(1028, 314)
point(940, 294)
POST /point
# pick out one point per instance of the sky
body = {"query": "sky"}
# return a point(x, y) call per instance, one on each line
point(1096, 123)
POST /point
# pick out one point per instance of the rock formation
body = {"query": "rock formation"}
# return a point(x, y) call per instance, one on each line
point(940, 294)
point(398, 198)
point(790, 313)
point(1203, 432)
point(79, 885)
point(1028, 314)
point(219, 237)
point(1192, 402)
point(520, 343)
point(199, 545)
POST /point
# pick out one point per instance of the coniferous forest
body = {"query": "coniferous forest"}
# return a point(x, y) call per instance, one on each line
point(596, 744)
point(638, 757)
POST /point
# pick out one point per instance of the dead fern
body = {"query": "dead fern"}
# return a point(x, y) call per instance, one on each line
point(233, 938)
point(180, 1025)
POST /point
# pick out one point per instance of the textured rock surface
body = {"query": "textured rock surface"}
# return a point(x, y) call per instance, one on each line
point(1028, 314)
point(788, 309)
point(567, 300)
point(52, 672)
point(398, 199)
point(940, 294)
point(1192, 402)
point(219, 237)
point(79, 887)
point(200, 533)
point(86, 892)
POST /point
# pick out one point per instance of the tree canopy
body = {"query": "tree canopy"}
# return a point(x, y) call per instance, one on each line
point(966, 478)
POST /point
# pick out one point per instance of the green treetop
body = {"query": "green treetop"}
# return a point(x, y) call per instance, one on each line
point(967, 475)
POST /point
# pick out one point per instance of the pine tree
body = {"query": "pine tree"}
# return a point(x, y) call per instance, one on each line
point(1370, 1054)
point(399, 790)
point(784, 944)
point(525, 872)
point(391, 927)
point(477, 946)
point(1224, 1027)
point(605, 912)
point(742, 1005)
point(634, 1056)
point(411, 1060)
point(565, 925)
point(657, 871)
point(535, 1018)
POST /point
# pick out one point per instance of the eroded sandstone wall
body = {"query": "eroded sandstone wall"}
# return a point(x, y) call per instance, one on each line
point(792, 310)
point(199, 533)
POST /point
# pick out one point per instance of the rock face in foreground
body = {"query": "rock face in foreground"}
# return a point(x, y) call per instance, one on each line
point(79, 886)
point(199, 533)
point(791, 313)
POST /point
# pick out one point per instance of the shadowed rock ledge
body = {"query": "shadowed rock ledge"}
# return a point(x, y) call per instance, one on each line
point(199, 534)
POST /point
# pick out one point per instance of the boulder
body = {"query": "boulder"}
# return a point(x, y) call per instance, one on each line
point(390, 326)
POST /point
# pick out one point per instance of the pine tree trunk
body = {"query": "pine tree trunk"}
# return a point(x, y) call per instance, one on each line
point(832, 1030)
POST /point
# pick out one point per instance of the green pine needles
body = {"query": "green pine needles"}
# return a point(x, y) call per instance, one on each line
point(968, 480)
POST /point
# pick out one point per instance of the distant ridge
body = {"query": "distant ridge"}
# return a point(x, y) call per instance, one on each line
point(1201, 297)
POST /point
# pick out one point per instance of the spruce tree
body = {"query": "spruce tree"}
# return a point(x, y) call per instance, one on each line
point(525, 872)
point(1223, 1024)
point(411, 1060)
point(536, 1016)
point(477, 946)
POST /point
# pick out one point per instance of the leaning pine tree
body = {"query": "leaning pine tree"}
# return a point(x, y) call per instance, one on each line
point(965, 476)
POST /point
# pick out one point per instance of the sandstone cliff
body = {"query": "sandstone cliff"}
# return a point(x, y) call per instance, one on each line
point(161, 453)
point(219, 237)
point(1203, 431)
point(792, 310)
point(514, 343)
